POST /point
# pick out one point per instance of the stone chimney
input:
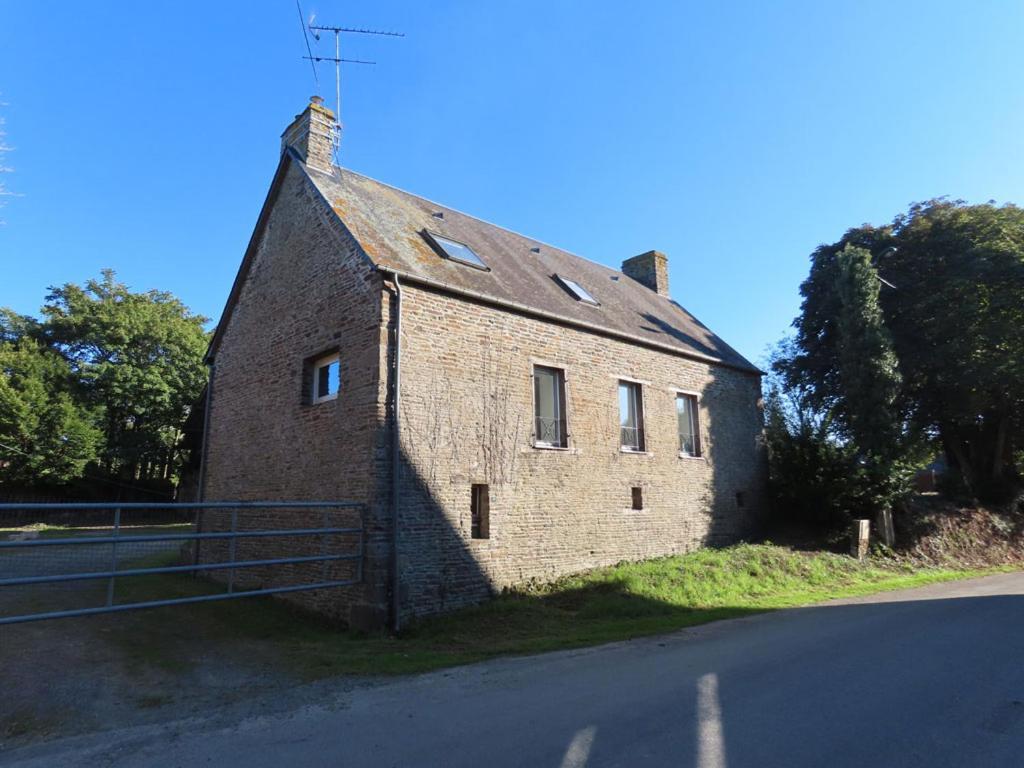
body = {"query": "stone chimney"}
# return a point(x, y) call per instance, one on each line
point(650, 269)
point(310, 135)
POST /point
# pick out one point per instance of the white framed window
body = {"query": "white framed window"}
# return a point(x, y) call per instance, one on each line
point(688, 417)
point(326, 378)
point(631, 416)
point(550, 424)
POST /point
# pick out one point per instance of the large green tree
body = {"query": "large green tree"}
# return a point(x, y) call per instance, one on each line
point(954, 312)
point(46, 434)
point(138, 359)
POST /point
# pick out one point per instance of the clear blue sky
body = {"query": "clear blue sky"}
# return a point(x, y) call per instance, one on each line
point(735, 137)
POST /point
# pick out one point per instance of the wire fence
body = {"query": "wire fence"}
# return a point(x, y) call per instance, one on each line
point(64, 560)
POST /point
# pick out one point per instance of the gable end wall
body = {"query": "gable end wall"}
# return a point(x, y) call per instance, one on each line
point(309, 289)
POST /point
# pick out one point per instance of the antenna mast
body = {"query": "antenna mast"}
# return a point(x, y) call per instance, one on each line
point(316, 29)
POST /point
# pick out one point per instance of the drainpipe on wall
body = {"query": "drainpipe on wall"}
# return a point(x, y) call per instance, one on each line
point(396, 602)
point(201, 489)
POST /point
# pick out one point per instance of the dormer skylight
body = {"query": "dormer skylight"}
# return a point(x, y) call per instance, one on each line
point(577, 290)
point(454, 250)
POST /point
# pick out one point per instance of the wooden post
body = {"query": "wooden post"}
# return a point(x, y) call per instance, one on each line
point(859, 538)
point(885, 529)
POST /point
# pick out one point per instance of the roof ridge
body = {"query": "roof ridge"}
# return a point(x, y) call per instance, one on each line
point(482, 221)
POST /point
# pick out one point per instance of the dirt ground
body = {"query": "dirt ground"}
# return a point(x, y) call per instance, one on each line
point(65, 677)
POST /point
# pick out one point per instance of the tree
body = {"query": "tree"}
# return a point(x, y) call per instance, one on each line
point(814, 475)
point(45, 435)
point(943, 350)
point(959, 331)
point(138, 358)
point(869, 380)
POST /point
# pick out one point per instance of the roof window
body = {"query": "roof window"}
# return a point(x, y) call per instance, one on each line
point(577, 290)
point(454, 250)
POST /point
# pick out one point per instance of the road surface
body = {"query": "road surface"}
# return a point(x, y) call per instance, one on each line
point(928, 677)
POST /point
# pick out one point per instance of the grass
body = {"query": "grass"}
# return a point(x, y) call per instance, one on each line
point(48, 531)
point(608, 604)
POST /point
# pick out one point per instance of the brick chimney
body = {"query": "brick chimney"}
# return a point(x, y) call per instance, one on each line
point(310, 135)
point(650, 269)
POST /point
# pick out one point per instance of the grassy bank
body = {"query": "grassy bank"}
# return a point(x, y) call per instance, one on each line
point(617, 603)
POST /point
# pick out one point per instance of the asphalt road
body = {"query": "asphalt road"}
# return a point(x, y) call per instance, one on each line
point(928, 677)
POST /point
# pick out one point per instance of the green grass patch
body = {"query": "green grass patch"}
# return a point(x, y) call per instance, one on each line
point(608, 604)
point(47, 531)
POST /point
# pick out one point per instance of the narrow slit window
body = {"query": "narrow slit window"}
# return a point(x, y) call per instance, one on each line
point(480, 512)
point(689, 425)
point(638, 498)
point(550, 425)
point(631, 416)
point(454, 250)
point(326, 378)
point(578, 291)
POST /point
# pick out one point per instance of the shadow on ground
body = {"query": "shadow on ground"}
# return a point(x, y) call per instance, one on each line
point(794, 688)
point(251, 655)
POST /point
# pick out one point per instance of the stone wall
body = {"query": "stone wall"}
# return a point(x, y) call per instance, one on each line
point(467, 418)
point(309, 290)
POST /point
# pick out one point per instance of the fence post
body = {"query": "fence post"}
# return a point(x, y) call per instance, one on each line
point(859, 538)
point(113, 556)
point(885, 528)
point(231, 549)
point(362, 554)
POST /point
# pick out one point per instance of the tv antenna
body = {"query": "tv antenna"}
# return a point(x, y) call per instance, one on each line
point(316, 29)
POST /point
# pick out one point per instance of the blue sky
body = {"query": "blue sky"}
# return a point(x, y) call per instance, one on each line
point(735, 137)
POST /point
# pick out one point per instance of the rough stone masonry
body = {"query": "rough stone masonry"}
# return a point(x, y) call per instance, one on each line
point(337, 263)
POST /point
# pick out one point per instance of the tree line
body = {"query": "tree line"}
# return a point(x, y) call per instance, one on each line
point(99, 385)
point(909, 345)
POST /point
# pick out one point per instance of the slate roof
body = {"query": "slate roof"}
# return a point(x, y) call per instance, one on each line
point(388, 223)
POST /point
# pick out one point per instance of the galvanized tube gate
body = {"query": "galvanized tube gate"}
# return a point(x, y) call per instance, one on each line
point(108, 551)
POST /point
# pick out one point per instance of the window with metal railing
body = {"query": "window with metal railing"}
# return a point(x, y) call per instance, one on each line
point(689, 424)
point(631, 416)
point(550, 425)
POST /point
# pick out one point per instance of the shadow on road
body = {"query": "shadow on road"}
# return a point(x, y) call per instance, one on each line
point(919, 672)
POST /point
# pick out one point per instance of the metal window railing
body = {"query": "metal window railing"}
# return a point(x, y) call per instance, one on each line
point(551, 432)
point(632, 438)
point(111, 552)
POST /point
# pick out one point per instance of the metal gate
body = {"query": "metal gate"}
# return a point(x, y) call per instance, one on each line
point(234, 549)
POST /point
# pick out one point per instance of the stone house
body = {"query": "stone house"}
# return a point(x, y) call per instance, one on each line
point(505, 410)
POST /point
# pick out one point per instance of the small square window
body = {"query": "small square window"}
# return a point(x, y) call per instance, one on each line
point(578, 291)
point(689, 424)
point(631, 416)
point(480, 512)
point(638, 498)
point(454, 250)
point(326, 378)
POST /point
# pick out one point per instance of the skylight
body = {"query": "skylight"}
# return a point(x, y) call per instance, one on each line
point(577, 290)
point(454, 250)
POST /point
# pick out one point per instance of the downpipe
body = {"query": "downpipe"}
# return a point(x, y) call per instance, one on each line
point(396, 456)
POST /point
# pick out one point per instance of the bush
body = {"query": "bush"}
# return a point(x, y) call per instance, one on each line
point(813, 479)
